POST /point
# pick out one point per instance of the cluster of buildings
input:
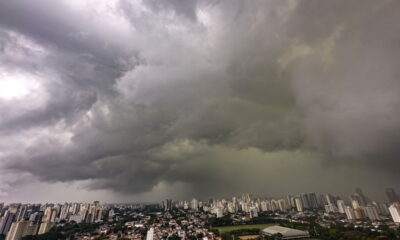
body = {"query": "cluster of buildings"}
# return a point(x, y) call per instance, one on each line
point(186, 226)
point(19, 220)
point(188, 219)
point(357, 207)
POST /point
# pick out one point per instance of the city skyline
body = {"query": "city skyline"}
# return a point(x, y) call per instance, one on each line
point(194, 218)
point(389, 195)
point(122, 101)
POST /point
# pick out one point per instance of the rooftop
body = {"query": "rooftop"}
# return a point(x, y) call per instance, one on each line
point(287, 233)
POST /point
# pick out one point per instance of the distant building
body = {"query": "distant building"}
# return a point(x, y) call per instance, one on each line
point(359, 212)
point(394, 210)
point(312, 197)
point(350, 214)
point(330, 208)
point(150, 234)
point(299, 204)
point(341, 206)
point(218, 211)
point(194, 204)
point(45, 227)
point(392, 195)
point(355, 203)
point(305, 200)
point(371, 212)
point(6, 221)
point(253, 212)
point(363, 199)
point(285, 233)
point(21, 229)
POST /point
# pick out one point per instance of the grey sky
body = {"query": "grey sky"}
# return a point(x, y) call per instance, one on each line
point(142, 100)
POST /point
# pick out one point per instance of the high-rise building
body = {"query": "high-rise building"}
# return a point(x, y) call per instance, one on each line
point(6, 221)
point(21, 229)
point(291, 201)
point(194, 204)
point(394, 210)
point(382, 208)
point(363, 200)
point(330, 200)
point(371, 212)
point(341, 206)
point(392, 195)
point(21, 214)
point(45, 227)
point(253, 212)
point(312, 197)
point(36, 217)
point(299, 204)
point(150, 234)
point(218, 211)
point(330, 208)
point(350, 214)
point(305, 200)
point(355, 204)
point(167, 204)
point(359, 212)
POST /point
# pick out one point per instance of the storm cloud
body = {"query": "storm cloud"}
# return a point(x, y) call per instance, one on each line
point(150, 99)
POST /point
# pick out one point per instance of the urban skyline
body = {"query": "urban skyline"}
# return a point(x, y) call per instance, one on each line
point(388, 195)
point(19, 221)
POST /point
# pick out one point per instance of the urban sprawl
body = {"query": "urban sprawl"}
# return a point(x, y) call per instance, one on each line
point(303, 216)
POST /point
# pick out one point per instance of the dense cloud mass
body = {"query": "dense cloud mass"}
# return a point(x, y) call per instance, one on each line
point(150, 99)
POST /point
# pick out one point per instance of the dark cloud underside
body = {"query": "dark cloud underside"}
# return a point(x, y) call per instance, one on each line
point(217, 96)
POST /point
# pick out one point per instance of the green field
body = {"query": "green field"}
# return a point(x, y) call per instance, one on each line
point(226, 229)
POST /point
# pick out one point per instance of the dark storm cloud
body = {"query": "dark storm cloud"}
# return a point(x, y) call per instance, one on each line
point(80, 63)
point(200, 93)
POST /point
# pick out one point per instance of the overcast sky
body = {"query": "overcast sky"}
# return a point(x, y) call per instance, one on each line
point(142, 100)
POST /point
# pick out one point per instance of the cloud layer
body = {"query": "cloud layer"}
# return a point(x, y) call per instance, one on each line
point(201, 98)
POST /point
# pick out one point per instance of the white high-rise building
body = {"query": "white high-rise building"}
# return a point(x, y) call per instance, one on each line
point(341, 206)
point(394, 210)
point(299, 204)
point(150, 234)
point(195, 204)
point(350, 213)
point(355, 204)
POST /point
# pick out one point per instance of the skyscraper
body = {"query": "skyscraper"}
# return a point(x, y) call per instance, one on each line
point(21, 229)
point(350, 213)
point(195, 204)
point(45, 227)
point(341, 206)
point(312, 197)
point(305, 200)
point(371, 212)
point(394, 210)
point(299, 204)
point(363, 200)
point(6, 221)
point(392, 195)
point(150, 234)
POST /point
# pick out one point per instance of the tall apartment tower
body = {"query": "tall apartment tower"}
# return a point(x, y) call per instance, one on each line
point(21, 229)
point(394, 210)
point(392, 195)
point(150, 234)
point(6, 221)
point(299, 204)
